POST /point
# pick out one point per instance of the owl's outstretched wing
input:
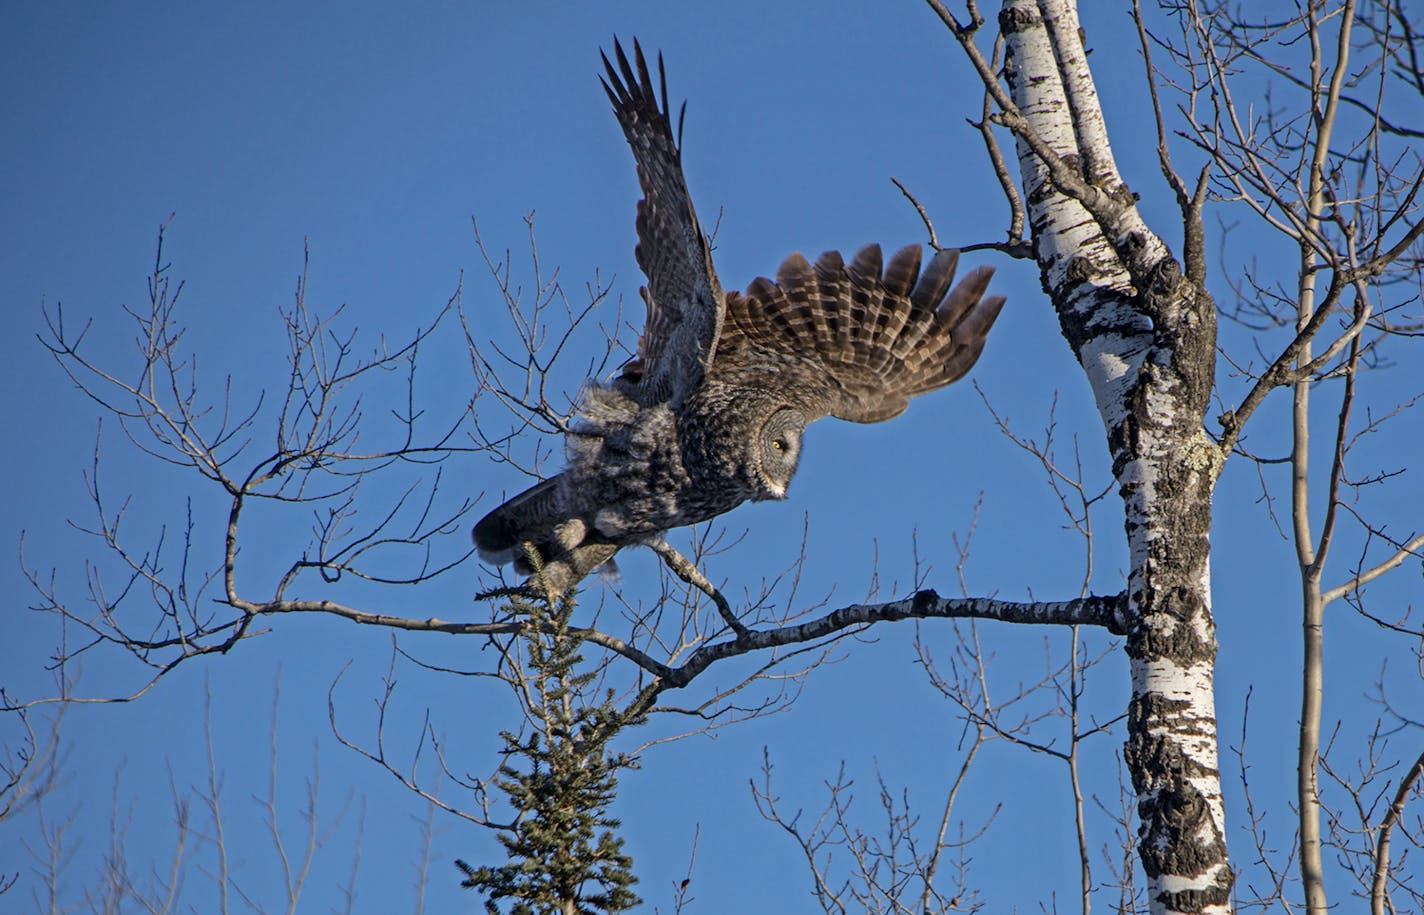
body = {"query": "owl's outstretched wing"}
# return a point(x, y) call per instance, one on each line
point(860, 342)
point(683, 297)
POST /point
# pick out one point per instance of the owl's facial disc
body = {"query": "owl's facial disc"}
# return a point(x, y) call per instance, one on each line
point(778, 452)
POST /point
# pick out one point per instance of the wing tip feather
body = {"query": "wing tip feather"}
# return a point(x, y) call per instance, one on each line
point(902, 271)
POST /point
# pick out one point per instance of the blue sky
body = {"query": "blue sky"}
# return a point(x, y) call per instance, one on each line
point(374, 133)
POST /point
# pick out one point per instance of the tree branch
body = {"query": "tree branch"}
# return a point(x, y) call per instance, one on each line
point(1379, 891)
point(1108, 612)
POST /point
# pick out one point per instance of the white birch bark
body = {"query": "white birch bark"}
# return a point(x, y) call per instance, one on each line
point(1145, 337)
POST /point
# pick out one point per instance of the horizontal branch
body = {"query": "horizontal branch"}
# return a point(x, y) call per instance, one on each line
point(449, 627)
point(1108, 612)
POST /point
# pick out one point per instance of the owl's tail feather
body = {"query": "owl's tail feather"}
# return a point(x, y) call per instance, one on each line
point(569, 550)
point(528, 517)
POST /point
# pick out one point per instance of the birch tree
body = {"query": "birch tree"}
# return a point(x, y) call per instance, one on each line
point(1142, 324)
point(1144, 330)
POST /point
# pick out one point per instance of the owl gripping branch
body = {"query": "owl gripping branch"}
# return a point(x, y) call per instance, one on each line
point(711, 412)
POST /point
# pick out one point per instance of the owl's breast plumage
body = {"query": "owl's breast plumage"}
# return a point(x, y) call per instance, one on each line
point(631, 471)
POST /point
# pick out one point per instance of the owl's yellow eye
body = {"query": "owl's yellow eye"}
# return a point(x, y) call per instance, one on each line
point(779, 445)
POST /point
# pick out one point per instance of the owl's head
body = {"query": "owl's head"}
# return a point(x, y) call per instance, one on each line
point(777, 450)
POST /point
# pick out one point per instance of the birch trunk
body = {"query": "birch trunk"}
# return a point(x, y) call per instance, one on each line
point(1145, 336)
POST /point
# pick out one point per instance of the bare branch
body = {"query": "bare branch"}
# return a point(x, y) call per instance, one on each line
point(1379, 891)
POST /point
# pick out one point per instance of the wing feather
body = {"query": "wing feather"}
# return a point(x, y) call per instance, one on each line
point(902, 271)
point(861, 340)
point(683, 296)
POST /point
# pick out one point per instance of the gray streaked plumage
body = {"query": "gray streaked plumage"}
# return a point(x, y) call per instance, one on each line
point(712, 410)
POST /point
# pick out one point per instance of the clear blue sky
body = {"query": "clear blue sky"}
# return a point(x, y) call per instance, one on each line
point(375, 132)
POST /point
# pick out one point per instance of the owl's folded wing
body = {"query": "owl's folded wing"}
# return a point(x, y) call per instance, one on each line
point(860, 343)
point(683, 297)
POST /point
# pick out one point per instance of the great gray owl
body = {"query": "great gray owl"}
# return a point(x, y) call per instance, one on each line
point(711, 411)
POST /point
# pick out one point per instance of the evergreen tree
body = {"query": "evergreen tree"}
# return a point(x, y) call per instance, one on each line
point(565, 855)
